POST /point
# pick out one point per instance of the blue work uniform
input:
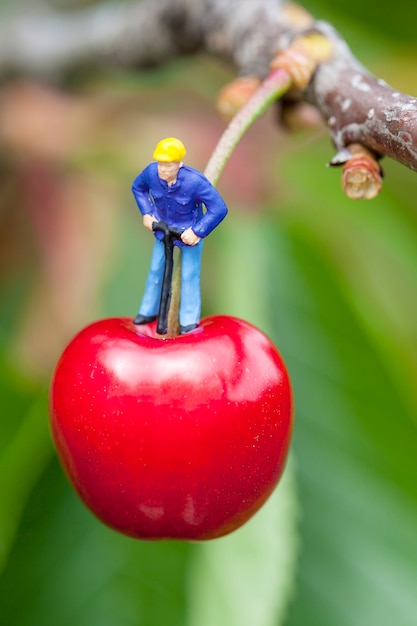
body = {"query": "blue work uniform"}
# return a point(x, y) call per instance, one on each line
point(181, 206)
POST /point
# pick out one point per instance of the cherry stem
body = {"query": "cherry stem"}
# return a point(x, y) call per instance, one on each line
point(173, 319)
point(275, 85)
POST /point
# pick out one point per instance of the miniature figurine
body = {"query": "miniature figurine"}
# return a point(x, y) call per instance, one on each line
point(173, 194)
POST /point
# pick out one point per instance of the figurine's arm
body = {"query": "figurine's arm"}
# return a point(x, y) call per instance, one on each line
point(216, 209)
point(140, 190)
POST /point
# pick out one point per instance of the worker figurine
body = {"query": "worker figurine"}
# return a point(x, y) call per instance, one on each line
point(170, 192)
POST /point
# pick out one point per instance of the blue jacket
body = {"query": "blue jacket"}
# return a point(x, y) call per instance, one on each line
point(180, 205)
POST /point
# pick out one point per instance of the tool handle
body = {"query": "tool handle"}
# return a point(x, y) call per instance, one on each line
point(172, 233)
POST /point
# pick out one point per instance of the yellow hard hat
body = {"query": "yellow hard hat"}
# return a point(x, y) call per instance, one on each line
point(169, 149)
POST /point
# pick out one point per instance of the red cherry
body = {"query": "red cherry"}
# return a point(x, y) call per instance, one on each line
point(181, 438)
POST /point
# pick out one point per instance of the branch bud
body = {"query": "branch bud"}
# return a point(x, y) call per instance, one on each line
point(303, 56)
point(362, 175)
point(300, 116)
point(232, 97)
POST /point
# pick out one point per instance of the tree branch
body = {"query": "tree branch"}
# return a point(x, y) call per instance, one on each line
point(358, 108)
point(145, 33)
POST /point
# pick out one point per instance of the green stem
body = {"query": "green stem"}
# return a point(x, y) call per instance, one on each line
point(173, 319)
point(273, 87)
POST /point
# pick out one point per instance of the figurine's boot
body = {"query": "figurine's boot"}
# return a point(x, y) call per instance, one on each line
point(144, 319)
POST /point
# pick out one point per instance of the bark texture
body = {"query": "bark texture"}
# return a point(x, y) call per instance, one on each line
point(357, 107)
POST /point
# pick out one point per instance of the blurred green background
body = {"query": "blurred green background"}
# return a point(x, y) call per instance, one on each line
point(332, 281)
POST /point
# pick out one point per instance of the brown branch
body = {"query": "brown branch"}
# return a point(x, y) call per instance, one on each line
point(358, 108)
point(140, 34)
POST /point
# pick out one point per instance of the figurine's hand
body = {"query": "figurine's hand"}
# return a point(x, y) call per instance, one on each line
point(189, 237)
point(148, 221)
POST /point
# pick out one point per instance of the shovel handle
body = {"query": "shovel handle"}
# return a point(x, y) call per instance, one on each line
point(168, 231)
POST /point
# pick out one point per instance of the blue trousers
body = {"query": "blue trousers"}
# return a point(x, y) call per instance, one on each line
point(190, 303)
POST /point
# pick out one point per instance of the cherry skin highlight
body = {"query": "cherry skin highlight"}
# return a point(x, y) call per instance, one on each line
point(182, 438)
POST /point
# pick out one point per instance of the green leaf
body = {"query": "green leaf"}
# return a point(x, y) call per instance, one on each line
point(355, 444)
